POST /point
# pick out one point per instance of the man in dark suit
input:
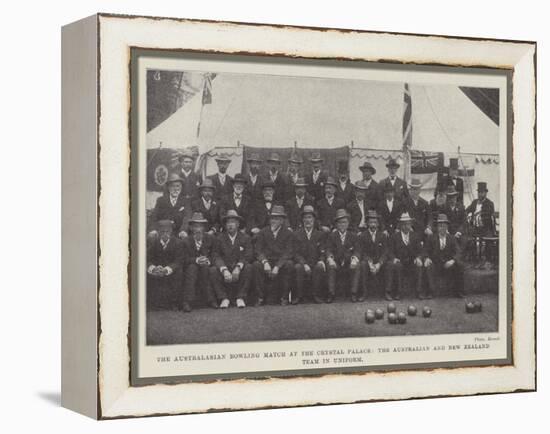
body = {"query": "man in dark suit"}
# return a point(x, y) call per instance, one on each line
point(437, 206)
point(373, 193)
point(238, 201)
point(190, 180)
point(172, 206)
point(296, 204)
point(198, 249)
point(399, 186)
point(259, 218)
point(358, 208)
point(164, 268)
point(274, 257)
point(455, 213)
point(343, 255)
point(309, 254)
point(208, 206)
point(405, 254)
point(232, 261)
point(389, 210)
point(418, 209)
point(455, 180)
point(253, 178)
point(327, 206)
point(317, 177)
point(442, 259)
point(374, 254)
point(480, 214)
point(344, 189)
point(221, 180)
point(279, 179)
point(294, 165)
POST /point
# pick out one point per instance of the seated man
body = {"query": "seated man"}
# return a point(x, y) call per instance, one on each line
point(374, 254)
point(273, 256)
point(443, 258)
point(343, 255)
point(199, 249)
point(405, 253)
point(309, 251)
point(232, 258)
point(296, 204)
point(164, 263)
point(327, 206)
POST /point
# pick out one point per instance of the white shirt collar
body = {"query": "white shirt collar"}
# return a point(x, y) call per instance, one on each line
point(186, 173)
point(232, 237)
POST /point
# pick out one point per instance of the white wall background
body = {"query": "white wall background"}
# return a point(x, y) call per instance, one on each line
point(30, 177)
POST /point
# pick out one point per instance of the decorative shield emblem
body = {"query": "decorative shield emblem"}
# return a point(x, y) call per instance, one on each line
point(161, 174)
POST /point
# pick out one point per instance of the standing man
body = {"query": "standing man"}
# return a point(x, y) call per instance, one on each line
point(344, 190)
point(296, 204)
point(294, 165)
point(455, 180)
point(374, 254)
point(199, 249)
point(221, 180)
point(443, 259)
point(279, 180)
point(259, 218)
point(399, 186)
point(405, 254)
point(373, 193)
point(389, 210)
point(343, 256)
point(438, 205)
point(238, 201)
point(316, 179)
point(481, 217)
point(309, 255)
point(455, 213)
point(172, 206)
point(207, 206)
point(273, 257)
point(418, 209)
point(254, 179)
point(327, 206)
point(232, 258)
point(190, 180)
point(358, 208)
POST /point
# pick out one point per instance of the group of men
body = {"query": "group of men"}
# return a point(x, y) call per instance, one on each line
point(246, 239)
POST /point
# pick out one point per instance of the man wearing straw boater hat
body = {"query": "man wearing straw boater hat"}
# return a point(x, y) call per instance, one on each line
point(455, 180)
point(442, 259)
point(221, 180)
point(238, 201)
point(374, 254)
point(232, 261)
point(172, 206)
point(418, 209)
point(253, 178)
point(273, 247)
point(373, 193)
point(297, 202)
point(343, 256)
point(358, 208)
point(190, 179)
point(399, 186)
point(279, 179)
point(327, 206)
point(309, 254)
point(404, 254)
point(344, 190)
point(164, 267)
point(317, 177)
point(208, 206)
point(198, 251)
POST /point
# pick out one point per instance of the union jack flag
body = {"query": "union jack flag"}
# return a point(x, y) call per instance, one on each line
point(426, 162)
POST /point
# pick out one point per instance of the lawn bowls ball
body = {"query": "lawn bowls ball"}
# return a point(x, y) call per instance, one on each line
point(411, 310)
point(401, 318)
point(470, 308)
point(477, 306)
point(426, 312)
point(379, 313)
point(392, 308)
point(369, 316)
point(392, 318)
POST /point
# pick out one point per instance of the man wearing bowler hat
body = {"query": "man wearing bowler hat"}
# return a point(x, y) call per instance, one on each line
point(164, 267)
point(221, 180)
point(280, 180)
point(309, 255)
point(198, 250)
point(274, 257)
point(343, 256)
point(404, 254)
point(358, 208)
point(344, 190)
point(253, 178)
point(418, 209)
point(373, 194)
point(317, 177)
point(455, 180)
point(172, 206)
point(399, 186)
point(374, 254)
point(327, 206)
point(442, 259)
point(296, 204)
point(208, 206)
point(294, 164)
point(238, 201)
point(190, 179)
point(232, 258)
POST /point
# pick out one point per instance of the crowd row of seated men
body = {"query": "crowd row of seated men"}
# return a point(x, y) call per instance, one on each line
point(252, 235)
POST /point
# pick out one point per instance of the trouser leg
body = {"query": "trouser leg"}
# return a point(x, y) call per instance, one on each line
point(458, 278)
point(355, 278)
point(331, 274)
point(189, 284)
point(317, 276)
point(259, 279)
point(300, 280)
point(398, 275)
point(285, 274)
point(244, 281)
point(217, 282)
point(418, 279)
point(206, 286)
point(430, 274)
point(389, 273)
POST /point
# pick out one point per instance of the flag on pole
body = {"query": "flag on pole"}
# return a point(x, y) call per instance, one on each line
point(407, 130)
point(206, 96)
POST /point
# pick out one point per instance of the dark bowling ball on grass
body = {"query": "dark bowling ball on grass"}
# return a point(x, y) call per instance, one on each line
point(392, 308)
point(401, 318)
point(369, 316)
point(392, 318)
point(411, 310)
point(379, 313)
point(477, 306)
point(426, 312)
point(470, 308)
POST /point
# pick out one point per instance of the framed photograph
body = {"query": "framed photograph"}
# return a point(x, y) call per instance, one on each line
point(264, 216)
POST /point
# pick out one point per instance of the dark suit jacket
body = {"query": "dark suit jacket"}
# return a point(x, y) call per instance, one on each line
point(281, 186)
point(355, 213)
point(260, 214)
point(229, 255)
point(309, 251)
point(419, 212)
point(191, 252)
point(191, 184)
point(405, 253)
point(294, 211)
point(377, 251)
point(275, 250)
point(388, 219)
point(254, 191)
point(317, 190)
point(221, 190)
point(374, 194)
point(434, 210)
point(347, 194)
point(459, 185)
point(487, 214)
point(438, 256)
point(326, 212)
point(179, 213)
point(244, 210)
point(457, 218)
point(400, 187)
point(212, 215)
point(342, 253)
point(171, 256)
